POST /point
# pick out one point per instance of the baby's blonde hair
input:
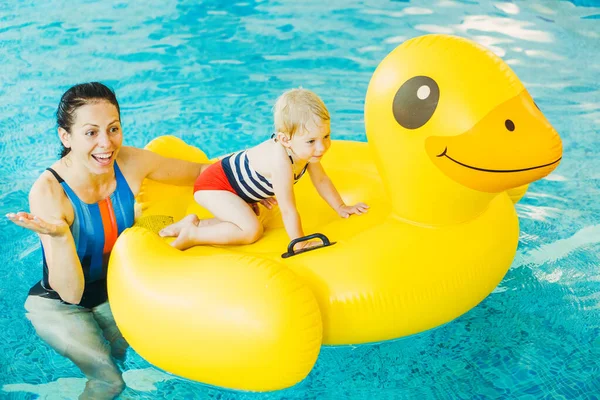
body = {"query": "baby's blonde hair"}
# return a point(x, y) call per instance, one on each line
point(295, 108)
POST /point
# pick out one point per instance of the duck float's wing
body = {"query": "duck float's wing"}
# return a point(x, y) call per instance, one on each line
point(229, 320)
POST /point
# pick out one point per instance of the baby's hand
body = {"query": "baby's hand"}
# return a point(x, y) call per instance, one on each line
point(269, 202)
point(306, 245)
point(345, 211)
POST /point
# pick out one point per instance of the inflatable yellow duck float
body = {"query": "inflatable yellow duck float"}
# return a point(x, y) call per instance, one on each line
point(451, 131)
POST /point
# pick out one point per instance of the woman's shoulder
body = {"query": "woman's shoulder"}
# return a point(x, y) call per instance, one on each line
point(129, 155)
point(132, 160)
point(46, 184)
point(134, 157)
point(47, 197)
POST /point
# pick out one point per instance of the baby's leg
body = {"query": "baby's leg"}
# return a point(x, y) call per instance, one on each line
point(175, 228)
point(237, 222)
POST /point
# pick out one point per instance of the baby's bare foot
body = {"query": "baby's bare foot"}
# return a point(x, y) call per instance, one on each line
point(175, 229)
point(185, 239)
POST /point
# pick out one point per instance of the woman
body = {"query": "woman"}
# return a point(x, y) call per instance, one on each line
point(78, 208)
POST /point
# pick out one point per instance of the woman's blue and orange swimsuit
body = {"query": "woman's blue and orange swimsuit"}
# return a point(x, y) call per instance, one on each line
point(95, 229)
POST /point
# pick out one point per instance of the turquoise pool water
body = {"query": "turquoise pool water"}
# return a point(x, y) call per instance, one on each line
point(210, 73)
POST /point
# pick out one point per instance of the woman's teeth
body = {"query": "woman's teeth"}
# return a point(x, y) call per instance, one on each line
point(102, 157)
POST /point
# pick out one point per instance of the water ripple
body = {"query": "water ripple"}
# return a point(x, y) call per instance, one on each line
point(507, 26)
point(209, 73)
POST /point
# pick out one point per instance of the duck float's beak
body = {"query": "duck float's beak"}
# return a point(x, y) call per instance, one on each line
point(511, 146)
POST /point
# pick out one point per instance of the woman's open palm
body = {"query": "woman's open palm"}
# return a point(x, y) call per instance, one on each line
point(38, 225)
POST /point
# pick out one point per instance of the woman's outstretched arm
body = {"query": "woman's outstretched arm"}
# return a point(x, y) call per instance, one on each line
point(48, 218)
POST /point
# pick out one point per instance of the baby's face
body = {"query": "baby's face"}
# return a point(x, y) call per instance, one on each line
point(313, 142)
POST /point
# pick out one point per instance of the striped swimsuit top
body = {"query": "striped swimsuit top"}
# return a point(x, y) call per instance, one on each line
point(95, 229)
point(249, 184)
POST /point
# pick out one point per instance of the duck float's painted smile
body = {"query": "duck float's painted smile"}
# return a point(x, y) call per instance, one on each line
point(513, 141)
point(445, 154)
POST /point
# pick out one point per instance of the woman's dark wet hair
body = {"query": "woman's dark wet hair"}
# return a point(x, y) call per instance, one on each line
point(77, 96)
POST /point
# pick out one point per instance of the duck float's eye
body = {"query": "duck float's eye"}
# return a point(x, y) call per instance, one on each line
point(509, 125)
point(415, 102)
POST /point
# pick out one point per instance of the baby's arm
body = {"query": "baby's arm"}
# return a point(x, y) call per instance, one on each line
point(283, 186)
point(329, 193)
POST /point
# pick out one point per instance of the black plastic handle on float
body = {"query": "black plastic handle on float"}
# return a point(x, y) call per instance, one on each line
point(290, 249)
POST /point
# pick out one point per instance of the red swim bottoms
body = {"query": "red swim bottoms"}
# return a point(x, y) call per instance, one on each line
point(213, 178)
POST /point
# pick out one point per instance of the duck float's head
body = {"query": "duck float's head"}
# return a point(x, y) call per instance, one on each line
point(452, 126)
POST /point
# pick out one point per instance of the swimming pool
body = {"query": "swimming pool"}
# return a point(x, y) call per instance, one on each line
point(209, 74)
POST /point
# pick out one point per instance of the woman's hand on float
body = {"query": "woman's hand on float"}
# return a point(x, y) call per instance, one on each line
point(38, 225)
point(345, 211)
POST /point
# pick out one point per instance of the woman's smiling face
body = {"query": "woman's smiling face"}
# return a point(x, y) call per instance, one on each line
point(95, 137)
